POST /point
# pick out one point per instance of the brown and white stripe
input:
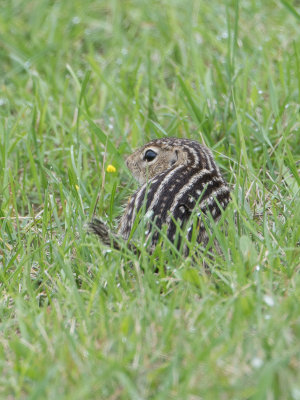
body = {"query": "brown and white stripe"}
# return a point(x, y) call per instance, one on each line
point(174, 193)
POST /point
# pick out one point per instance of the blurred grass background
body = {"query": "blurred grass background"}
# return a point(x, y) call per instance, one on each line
point(81, 85)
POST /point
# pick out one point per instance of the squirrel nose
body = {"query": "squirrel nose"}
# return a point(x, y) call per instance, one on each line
point(129, 163)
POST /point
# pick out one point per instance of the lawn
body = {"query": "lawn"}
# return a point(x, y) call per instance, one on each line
point(82, 84)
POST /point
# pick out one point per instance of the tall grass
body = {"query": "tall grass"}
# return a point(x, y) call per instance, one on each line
point(84, 83)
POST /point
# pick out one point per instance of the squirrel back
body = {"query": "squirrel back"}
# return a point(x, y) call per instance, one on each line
point(177, 175)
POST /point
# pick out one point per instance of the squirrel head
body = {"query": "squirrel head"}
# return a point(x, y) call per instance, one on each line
point(156, 157)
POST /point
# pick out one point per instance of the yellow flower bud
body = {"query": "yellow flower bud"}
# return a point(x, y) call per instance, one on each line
point(110, 168)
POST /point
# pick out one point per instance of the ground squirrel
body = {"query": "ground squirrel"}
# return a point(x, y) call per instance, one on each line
point(176, 175)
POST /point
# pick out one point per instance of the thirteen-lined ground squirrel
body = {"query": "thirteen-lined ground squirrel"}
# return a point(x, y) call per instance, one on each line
point(176, 175)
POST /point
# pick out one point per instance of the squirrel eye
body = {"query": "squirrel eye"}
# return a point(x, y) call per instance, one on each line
point(150, 155)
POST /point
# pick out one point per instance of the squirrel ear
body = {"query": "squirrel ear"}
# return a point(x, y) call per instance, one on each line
point(174, 158)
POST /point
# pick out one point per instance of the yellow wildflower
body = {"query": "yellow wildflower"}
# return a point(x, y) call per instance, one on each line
point(77, 187)
point(110, 168)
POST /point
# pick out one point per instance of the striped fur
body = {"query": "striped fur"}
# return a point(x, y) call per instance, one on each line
point(173, 193)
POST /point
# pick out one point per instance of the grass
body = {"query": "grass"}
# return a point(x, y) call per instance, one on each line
point(84, 83)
